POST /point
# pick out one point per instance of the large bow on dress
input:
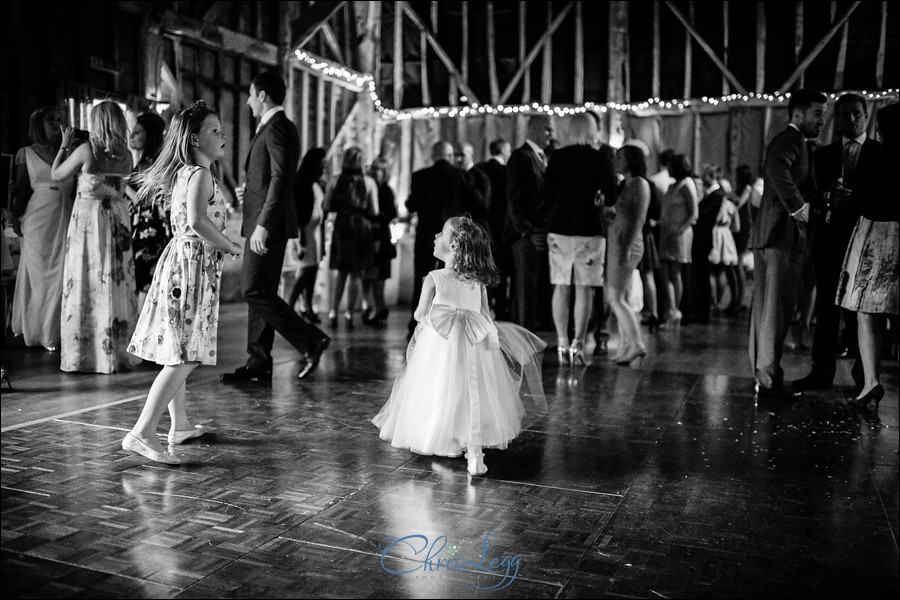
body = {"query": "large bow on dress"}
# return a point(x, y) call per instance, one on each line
point(476, 326)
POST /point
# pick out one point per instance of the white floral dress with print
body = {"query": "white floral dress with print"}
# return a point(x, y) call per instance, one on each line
point(179, 322)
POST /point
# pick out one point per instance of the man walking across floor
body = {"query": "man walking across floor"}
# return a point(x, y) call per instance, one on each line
point(842, 169)
point(270, 219)
point(779, 239)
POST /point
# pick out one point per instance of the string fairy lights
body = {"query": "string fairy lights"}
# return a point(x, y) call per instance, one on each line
point(361, 81)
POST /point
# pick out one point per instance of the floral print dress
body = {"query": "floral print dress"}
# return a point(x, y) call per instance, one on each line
point(179, 321)
point(99, 303)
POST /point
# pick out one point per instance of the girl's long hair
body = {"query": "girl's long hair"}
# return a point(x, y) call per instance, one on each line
point(157, 181)
point(473, 258)
point(109, 131)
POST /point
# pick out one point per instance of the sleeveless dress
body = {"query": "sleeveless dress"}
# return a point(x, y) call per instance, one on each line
point(37, 303)
point(675, 246)
point(467, 381)
point(99, 303)
point(179, 321)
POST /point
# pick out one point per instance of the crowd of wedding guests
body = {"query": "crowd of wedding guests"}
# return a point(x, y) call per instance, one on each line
point(576, 226)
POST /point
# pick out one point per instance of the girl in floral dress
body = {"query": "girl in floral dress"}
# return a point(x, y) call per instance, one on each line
point(178, 324)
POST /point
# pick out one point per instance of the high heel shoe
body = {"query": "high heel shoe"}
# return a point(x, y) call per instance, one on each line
point(476, 464)
point(4, 376)
point(332, 320)
point(562, 355)
point(876, 394)
point(348, 320)
point(674, 320)
point(652, 323)
point(634, 354)
point(376, 318)
point(576, 355)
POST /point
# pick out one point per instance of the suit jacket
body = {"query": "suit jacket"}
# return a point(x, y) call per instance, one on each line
point(525, 211)
point(829, 163)
point(437, 193)
point(480, 184)
point(496, 173)
point(271, 168)
point(788, 170)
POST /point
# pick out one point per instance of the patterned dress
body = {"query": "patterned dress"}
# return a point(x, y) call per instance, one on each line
point(98, 299)
point(179, 321)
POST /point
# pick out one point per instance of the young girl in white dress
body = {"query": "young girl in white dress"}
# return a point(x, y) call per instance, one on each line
point(178, 324)
point(467, 380)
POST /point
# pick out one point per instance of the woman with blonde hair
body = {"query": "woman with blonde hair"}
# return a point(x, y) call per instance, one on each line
point(41, 210)
point(99, 303)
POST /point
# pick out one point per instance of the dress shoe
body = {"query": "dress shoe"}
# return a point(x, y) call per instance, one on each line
point(133, 444)
point(180, 437)
point(876, 394)
point(311, 316)
point(309, 362)
point(245, 374)
point(776, 394)
point(813, 381)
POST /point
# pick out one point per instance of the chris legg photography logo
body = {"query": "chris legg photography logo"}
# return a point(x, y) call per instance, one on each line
point(437, 555)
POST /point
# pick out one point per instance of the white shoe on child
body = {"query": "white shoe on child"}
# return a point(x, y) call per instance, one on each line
point(476, 462)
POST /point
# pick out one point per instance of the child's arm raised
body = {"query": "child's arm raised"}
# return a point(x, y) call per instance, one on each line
point(425, 299)
point(201, 188)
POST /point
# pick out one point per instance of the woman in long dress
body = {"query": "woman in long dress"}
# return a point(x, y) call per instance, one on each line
point(99, 303)
point(42, 210)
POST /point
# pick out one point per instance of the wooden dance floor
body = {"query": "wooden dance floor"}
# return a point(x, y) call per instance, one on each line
point(661, 481)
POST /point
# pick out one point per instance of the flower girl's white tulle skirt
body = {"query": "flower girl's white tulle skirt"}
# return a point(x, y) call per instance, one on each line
point(453, 394)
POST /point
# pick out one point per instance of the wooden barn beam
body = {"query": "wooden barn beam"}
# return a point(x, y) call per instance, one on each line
point(882, 41)
point(819, 47)
point(312, 20)
point(534, 51)
point(492, 53)
point(212, 36)
point(320, 111)
point(725, 40)
point(216, 10)
point(464, 63)
point(798, 34)
point(547, 69)
point(760, 47)
point(706, 48)
point(442, 54)
point(333, 44)
point(688, 54)
point(579, 54)
point(841, 64)
point(423, 69)
point(398, 53)
point(526, 82)
point(656, 51)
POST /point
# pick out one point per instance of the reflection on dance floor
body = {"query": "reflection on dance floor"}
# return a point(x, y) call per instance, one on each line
point(666, 480)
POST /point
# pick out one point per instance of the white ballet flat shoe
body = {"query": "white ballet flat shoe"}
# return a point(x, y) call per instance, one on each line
point(180, 437)
point(133, 444)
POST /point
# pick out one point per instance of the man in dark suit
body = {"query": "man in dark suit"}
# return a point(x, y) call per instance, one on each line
point(479, 182)
point(841, 169)
point(779, 240)
point(495, 168)
point(270, 219)
point(436, 193)
point(527, 220)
